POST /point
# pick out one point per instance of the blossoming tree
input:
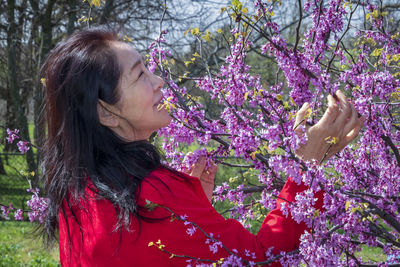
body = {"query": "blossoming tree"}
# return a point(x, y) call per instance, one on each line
point(256, 125)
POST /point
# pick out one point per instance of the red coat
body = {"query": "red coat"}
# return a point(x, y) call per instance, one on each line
point(99, 245)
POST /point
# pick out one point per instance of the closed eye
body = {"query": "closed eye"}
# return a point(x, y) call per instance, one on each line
point(140, 74)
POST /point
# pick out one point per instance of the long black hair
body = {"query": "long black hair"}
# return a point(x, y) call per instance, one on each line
point(78, 72)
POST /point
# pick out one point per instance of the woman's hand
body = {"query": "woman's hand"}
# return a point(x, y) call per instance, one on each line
point(206, 176)
point(339, 126)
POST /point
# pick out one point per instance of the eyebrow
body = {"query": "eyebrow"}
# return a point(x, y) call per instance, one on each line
point(140, 60)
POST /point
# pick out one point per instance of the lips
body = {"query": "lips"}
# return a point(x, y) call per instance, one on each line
point(159, 102)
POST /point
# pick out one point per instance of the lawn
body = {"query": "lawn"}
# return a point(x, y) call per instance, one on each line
point(18, 247)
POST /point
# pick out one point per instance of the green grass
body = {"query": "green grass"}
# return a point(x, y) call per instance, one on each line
point(371, 254)
point(18, 247)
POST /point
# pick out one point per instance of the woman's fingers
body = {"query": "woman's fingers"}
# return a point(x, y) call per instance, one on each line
point(330, 114)
point(355, 131)
point(346, 110)
point(352, 122)
point(208, 175)
point(213, 169)
point(347, 136)
point(338, 125)
point(301, 117)
point(198, 167)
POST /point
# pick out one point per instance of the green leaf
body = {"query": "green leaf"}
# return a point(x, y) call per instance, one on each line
point(237, 5)
point(150, 205)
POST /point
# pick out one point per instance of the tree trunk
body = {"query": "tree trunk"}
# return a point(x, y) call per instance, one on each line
point(16, 107)
point(72, 6)
point(105, 14)
point(45, 47)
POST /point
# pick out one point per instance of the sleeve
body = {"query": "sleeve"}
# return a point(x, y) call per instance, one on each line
point(192, 238)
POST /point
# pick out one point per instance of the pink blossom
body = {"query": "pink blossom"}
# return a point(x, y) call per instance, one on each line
point(23, 146)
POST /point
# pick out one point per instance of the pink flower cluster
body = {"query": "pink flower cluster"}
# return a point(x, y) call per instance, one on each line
point(6, 211)
point(38, 206)
point(23, 146)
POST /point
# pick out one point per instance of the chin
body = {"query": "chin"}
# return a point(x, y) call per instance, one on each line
point(168, 121)
point(165, 121)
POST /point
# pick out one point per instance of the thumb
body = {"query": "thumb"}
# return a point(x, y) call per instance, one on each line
point(301, 116)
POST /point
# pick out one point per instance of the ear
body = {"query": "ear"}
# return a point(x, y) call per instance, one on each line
point(106, 116)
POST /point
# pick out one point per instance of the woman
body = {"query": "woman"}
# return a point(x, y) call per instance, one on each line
point(113, 201)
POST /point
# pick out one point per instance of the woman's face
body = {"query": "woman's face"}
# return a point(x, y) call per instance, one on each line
point(138, 108)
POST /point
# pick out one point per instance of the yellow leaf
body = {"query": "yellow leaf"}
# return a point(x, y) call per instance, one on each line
point(308, 114)
point(195, 31)
point(354, 209)
point(377, 52)
point(207, 36)
point(365, 205)
point(246, 95)
point(43, 81)
point(286, 105)
point(82, 19)
point(293, 103)
point(150, 244)
point(396, 57)
point(367, 16)
point(279, 97)
point(245, 10)
point(127, 38)
point(95, 3)
point(346, 207)
point(172, 255)
point(237, 4)
point(220, 31)
point(316, 213)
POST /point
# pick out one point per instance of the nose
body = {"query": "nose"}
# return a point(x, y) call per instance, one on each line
point(157, 82)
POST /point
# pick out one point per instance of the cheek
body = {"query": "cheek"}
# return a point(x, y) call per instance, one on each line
point(131, 110)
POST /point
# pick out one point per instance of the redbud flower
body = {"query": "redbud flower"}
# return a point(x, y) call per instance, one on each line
point(12, 135)
point(23, 146)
